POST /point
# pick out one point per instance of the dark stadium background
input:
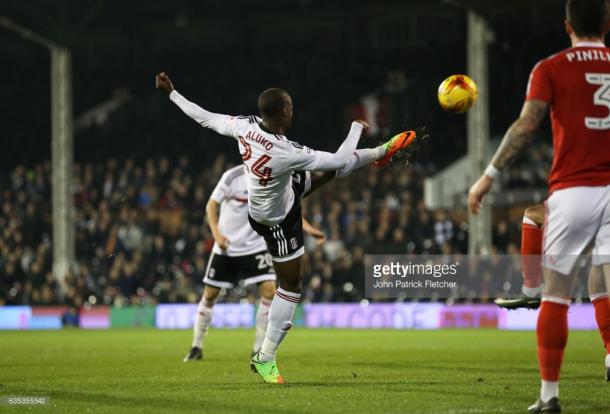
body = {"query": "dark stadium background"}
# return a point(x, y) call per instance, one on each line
point(220, 54)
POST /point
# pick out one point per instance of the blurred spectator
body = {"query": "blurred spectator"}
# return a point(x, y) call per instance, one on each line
point(141, 237)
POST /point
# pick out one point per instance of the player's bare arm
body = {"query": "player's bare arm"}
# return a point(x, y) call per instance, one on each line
point(518, 136)
point(211, 210)
point(520, 133)
point(314, 232)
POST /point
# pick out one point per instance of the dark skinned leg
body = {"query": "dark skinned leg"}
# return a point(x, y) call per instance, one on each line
point(319, 179)
point(290, 274)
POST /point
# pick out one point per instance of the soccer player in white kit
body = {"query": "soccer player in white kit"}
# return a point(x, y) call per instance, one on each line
point(239, 254)
point(278, 174)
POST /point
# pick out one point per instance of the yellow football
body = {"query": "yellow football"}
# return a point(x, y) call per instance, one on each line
point(457, 94)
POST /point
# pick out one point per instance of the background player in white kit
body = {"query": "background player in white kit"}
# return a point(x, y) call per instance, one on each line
point(239, 254)
point(278, 174)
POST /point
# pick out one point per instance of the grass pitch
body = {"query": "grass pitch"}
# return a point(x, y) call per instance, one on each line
point(328, 371)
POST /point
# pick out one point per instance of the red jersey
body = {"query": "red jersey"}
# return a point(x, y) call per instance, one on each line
point(576, 85)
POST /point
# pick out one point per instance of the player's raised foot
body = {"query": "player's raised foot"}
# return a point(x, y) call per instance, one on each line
point(522, 301)
point(551, 406)
point(193, 355)
point(394, 145)
point(267, 370)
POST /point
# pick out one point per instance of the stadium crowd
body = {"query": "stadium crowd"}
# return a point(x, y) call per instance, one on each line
point(141, 235)
point(140, 230)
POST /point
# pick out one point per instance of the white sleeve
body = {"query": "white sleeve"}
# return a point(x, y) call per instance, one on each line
point(222, 190)
point(223, 124)
point(309, 160)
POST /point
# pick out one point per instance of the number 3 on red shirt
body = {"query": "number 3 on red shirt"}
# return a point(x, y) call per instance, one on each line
point(601, 98)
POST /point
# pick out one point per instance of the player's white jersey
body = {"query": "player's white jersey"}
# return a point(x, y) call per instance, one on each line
point(270, 159)
point(231, 193)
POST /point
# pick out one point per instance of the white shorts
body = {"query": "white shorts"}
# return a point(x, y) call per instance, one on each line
point(575, 217)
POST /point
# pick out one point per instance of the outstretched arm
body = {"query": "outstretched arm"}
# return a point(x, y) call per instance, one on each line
point(518, 136)
point(223, 124)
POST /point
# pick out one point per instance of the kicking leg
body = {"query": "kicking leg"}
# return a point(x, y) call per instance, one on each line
point(267, 292)
point(203, 320)
point(381, 155)
point(318, 179)
point(359, 159)
point(365, 156)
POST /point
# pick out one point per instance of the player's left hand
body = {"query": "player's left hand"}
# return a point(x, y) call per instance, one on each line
point(163, 83)
point(318, 235)
point(477, 192)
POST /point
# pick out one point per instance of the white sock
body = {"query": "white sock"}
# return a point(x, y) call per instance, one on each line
point(280, 320)
point(202, 323)
point(262, 319)
point(549, 389)
point(608, 361)
point(531, 292)
point(360, 158)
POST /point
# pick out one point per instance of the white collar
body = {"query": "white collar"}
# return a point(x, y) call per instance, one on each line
point(590, 44)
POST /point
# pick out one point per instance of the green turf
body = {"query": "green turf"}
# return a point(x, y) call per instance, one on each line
point(328, 371)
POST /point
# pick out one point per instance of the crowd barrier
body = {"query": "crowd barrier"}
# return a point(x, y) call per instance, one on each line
point(316, 315)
